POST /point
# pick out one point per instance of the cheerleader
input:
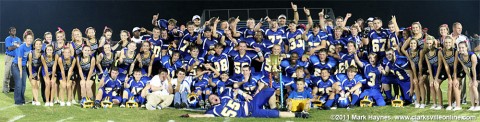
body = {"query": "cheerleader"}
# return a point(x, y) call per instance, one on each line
point(106, 38)
point(468, 60)
point(49, 66)
point(86, 68)
point(125, 59)
point(33, 69)
point(91, 40)
point(76, 48)
point(66, 63)
point(124, 40)
point(105, 60)
point(57, 50)
point(145, 59)
point(434, 65)
point(449, 53)
point(419, 37)
point(414, 57)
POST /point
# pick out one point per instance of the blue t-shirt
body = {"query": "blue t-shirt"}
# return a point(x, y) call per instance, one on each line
point(9, 41)
point(300, 95)
point(22, 52)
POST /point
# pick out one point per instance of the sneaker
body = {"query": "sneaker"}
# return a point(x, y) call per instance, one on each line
point(51, 104)
point(47, 104)
point(202, 104)
point(433, 106)
point(57, 101)
point(69, 104)
point(477, 108)
point(34, 103)
point(454, 104)
point(305, 115)
point(464, 102)
point(159, 107)
point(62, 103)
point(38, 103)
point(142, 106)
point(439, 107)
point(417, 105)
point(422, 105)
point(333, 108)
point(471, 108)
point(150, 107)
point(74, 102)
point(449, 108)
point(207, 104)
point(183, 105)
point(122, 106)
point(457, 108)
point(176, 105)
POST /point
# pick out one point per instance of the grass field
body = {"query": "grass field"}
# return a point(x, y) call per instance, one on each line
point(9, 112)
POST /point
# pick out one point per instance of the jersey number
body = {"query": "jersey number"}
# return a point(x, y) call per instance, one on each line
point(157, 50)
point(230, 110)
point(274, 38)
point(376, 45)
point(372, 76)
point(294, 44)
point(238, 66)
point(221, 66)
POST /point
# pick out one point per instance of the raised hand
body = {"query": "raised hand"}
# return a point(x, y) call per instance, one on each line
point(348, 15)
point(155, 17)
point(307, 11)
point(294, 6)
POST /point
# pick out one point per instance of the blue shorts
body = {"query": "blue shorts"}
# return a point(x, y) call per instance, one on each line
point(388, 80)
point(110, 94)
point(255, 106)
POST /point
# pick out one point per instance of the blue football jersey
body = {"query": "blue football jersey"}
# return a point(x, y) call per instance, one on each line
point(241, 60)
point(315, 40)
point(275, 37)
point(228, 107)
point(378, 42)
point(290, 69)
point(398, 68)
point(220, 62)
point(189, 60)
point(372, 75)
point(296, 42)
point(318, 65)
point(186, 41)
point(136, 85)
point(324, 86)
point(346, 61)
point(346, 83)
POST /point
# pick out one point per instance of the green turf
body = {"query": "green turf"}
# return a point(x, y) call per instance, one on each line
point(75, 113)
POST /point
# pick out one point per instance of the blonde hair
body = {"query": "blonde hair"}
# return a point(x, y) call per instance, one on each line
point(74, 31)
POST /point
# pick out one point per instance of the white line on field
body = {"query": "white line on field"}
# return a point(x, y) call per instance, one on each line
point(65, 119)
point(3, 108)
point(16, 118)
point(110, 121)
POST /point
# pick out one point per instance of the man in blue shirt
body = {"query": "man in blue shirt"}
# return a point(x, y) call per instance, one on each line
point(19, 71)
point(12, 42)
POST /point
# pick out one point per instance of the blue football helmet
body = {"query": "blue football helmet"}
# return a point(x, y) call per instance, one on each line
point(193, 100)
point(343, 102)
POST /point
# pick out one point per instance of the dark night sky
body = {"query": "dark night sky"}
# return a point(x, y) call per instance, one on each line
point(43, 16)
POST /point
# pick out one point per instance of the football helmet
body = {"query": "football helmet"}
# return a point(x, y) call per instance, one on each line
point(193, 100)
point(397, 102)
point(106, 103)
point(131, 103)
point(343, 102)
point(366, 102)
point(87, 103)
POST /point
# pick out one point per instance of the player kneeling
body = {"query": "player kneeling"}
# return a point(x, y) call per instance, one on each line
point(323, 94)
point(348, 88)
point(133, 89)
point(226, 106)
point(108, 93)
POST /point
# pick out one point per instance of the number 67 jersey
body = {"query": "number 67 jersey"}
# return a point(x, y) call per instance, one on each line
point(228, 107)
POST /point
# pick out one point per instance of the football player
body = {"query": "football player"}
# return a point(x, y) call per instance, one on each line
point(110, 86)
point(133, 89)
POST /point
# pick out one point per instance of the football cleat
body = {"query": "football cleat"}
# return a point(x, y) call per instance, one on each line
point(193, 100)
point(397, 102)
point(366, 102)
point(132, 103)
point(106, 103)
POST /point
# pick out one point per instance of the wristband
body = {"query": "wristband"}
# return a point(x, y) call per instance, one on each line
point(260, 54)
